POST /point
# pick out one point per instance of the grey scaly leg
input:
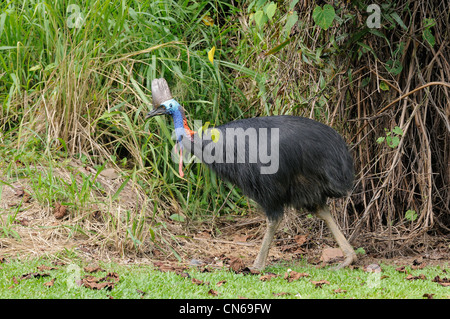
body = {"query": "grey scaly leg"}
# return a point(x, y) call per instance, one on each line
point(350, 256)
point(272, 226)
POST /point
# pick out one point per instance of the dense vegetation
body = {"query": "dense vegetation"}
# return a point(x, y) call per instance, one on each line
point(75, 85)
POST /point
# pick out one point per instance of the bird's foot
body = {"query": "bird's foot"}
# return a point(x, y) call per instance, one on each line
point(349, 259)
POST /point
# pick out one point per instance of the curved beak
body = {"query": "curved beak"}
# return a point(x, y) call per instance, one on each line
point(160, 110)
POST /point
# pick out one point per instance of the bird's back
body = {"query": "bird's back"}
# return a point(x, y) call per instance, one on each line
point(294, 161)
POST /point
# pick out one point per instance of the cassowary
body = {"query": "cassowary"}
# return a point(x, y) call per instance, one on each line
point(278, 161)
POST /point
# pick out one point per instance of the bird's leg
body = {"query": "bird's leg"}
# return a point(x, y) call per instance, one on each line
point(350, 256)
point(272, 226)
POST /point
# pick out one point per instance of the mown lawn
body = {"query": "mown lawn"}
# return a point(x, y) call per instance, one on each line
point(23, 279)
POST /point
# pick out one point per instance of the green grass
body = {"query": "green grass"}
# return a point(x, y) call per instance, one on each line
point(136, 279)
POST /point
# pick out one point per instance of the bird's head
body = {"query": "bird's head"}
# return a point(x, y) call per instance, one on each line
point(170, 107)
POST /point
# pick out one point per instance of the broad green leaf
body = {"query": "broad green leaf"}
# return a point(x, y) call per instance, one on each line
point(292, 4)
point(410, 215)
point(380, 139)
point(290, 21)
point(324, 17)
point(394, 67)
point(271, 9)
point(384, 86)
point(259, 16)
point(393, 141)
point(397, 130)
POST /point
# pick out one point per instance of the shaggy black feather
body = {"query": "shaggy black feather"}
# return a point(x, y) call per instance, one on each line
point(314, 163)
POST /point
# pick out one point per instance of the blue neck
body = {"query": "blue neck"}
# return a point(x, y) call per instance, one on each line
point(179, 125)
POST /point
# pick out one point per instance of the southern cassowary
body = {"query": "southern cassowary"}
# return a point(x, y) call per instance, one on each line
point(278, 161)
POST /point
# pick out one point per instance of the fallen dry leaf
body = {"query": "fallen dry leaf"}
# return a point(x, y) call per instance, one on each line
point(420, 266)
point(277, 294)
point(96, 283)
point(339, 291)
point(236, 264)
point(331, 255)
point(59, 211)
point(23, 221)
point(111, 277)
point(203, 234)
point(33, 275)
point(428, 296)
point(109, 173)
point(442, 281)
point(320, 283)
point(19, 191)
point(58, 263)
point(411, 277)
point(300, 239)
point(240, 238)
point(198, 282)
point(212, 292)
point(268, 276)
point(43, 267)
point(26, 197)
point(167, 267)
point(401, 269)
point(50, 283)
point(293, 275)
point(220, 283)
point(93, 269)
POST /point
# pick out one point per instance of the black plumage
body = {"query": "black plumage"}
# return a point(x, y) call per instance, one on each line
point(314, 164)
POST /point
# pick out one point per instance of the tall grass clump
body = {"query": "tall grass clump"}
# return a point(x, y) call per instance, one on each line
point(75, 82)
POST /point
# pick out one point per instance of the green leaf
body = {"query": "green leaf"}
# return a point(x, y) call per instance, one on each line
point(292, 4)
point(429, 37)
point(394, 67)
point(399, 20)
point(380, 139)
point(290, 21)
point(324, 17)
point(365, 81)
point(429, 22)
point(259, 16)
point(384, 86)
point(411, 215)
point(271, 9)
point(278, 47)
point(393, 141)
point(397, 130)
